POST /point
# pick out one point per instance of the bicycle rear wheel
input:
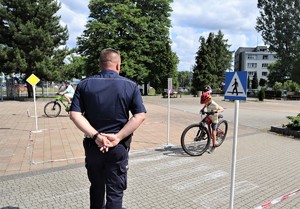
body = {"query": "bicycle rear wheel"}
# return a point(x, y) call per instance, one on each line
point(195, 140)
point(52, 109)
point(221, 132)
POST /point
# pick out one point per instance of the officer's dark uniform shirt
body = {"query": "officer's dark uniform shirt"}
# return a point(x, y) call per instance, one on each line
point(105, 100)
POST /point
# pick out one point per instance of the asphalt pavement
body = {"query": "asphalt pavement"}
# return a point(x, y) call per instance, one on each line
point(42, 159)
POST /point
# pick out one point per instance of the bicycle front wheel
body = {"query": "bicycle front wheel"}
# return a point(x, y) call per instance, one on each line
point(221, 132)
point(52, 109)
point(195, 140)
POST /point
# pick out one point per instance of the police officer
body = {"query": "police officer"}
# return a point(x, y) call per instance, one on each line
point(100, 109)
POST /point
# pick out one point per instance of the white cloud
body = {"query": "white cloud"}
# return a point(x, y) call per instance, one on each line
point(77, 6)
point(193, 18)
point(215, 14)
point(74, 15)
point(190, 20)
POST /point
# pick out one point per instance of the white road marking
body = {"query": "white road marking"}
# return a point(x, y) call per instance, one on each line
point(219, 197)
point(197, 181)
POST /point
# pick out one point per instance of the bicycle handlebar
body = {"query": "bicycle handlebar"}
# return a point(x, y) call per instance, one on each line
point(208, 113)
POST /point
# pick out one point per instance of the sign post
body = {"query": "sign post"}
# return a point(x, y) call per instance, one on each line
point(168, 145)
point(33, 80)
point(1, 90)
point(235, 89)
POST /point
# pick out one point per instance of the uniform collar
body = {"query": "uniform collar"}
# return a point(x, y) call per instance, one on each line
point(108, 71)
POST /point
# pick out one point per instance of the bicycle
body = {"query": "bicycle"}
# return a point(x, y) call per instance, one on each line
point(52, 109)
point(195, 139)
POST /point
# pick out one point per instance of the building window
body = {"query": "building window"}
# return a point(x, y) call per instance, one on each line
point(264, 65)
point(252, 57)
point(252, 65)
point(265, 57)
point(264, 73)
point(251, 73)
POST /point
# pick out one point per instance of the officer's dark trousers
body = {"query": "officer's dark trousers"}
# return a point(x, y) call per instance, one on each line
point(106, 171)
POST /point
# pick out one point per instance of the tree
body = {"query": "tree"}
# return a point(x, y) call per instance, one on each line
point(296, 69)
point(279, 24)
point(262, 94)
point(213, 58)
point(119, 25)
point(74, 68)
point(275, 74)
point(262, 82)
point(248, 82)
point(290, 85)
point(165, 68)
point(184, 78)
point(162, 61)
point(254, 83)
point(200, 79)
point(278, 86)
point(139, 30)
point(31, 39)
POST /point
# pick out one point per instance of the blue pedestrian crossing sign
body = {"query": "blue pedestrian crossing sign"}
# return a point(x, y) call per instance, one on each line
point(236, 85)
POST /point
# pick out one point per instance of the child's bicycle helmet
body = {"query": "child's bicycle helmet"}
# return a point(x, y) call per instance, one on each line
point(204, 97)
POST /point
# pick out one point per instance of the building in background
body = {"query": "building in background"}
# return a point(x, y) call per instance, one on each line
point(254, 59)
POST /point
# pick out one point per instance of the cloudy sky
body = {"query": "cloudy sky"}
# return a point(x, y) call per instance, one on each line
point(190, 20)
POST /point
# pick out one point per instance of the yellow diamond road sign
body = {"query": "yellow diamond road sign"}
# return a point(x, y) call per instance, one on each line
point(33, 80)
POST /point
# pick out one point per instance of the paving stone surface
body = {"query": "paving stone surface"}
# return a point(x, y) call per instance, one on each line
point(41, 164)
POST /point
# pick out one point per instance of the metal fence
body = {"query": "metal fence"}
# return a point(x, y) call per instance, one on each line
point(12, 90)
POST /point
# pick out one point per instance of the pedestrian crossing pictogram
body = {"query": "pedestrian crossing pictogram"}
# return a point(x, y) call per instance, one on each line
point(236, 86)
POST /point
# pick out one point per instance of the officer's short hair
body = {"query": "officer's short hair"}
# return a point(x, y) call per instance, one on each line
point(105, 55)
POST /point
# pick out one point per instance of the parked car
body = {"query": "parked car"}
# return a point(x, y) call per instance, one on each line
point(252, 92)
point(183, 90)
point(172, 93)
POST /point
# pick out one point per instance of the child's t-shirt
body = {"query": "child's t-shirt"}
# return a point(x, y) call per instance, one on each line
point(213, 106)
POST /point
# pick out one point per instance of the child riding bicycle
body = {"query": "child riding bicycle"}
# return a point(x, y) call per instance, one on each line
point(68, 92)
point(214, 108)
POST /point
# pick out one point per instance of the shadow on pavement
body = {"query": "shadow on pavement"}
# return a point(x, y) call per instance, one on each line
point(59, 116)
point(172, 151)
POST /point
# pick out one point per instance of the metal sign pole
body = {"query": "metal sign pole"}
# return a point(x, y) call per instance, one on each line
point(234, 147)
point(168, 129)
point(235, 89)
point(35, 111)
point(168, 145)
point(1, 89)
point(33, 80)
